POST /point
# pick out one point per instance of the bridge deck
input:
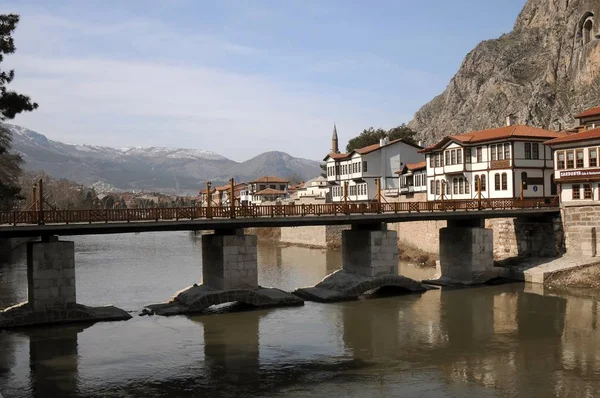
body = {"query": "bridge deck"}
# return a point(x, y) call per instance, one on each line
point(113, 221)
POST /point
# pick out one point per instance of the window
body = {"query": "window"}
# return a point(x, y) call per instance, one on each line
point(455, 186)
point(447, 157)
point(432, 187)
point(579, 156)
point(497, 182)
point(459, 156)
point(527, 150)
point(431, 161)
point(437, 187)
point(461, 185)
point(467, 187)
point(587, 191)
point(441, 160)
point(468, 155)
point(493, 152)
point(365, 166)
point(593, 155)
point(504, 181)
point(453, 157)
point(500, 152)
point(483, 188)
point(570, 159)
point(437, 160)
point(576, 192)
point(560, 160)
point(359, 167)
point(447, 183)
point(524, 180)
point(282, 187)
point(476, 188)
point(507, 151)
point(479, 152)
point(535, 151)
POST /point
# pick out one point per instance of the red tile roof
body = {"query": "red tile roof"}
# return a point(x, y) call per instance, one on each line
point(271, 179)
point(589, 112)
point(413, 167)
point(517, 131)
point(367, 149)
point(336, 156)
point(416, 166)
point(584, 135)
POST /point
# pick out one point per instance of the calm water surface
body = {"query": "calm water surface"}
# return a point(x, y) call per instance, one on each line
point(509, 340)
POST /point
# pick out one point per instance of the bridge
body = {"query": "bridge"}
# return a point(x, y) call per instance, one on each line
point(229, 256)
point(34, 223)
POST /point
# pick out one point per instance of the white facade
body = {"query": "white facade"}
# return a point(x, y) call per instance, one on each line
point(361, 169)
point(502, 165)
point(576, 163)
point(316, 189)
point(413, 181)
point(264, 189)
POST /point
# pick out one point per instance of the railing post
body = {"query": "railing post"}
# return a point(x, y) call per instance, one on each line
point(303, 211)
point(90, 216)
point(443, 191)
point(346, 197)
point(106, 216)
point(41, 218)
point(479, 193)
point(208, 200)
point(232, 198)
point(272, 210)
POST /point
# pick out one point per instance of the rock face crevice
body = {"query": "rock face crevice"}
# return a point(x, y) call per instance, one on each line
point(543, 72)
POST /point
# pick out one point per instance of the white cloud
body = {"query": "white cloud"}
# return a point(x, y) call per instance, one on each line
point(121, 99)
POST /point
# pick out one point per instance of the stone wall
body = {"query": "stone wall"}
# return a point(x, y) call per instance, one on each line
point(50, 274)
point(465, 253)
point(370, 253)
point(304, 236)
point(423, 235)
point(229, 261)
point(581, 225)
point(538, 236)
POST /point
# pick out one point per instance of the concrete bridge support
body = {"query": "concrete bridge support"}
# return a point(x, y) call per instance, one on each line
point(51, 294)
point(369, 262)
point(466, 253)
point(230, 274)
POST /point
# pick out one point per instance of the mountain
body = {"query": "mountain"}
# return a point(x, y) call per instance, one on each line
point(543, 72)
point(264, 164)
point(158, 169)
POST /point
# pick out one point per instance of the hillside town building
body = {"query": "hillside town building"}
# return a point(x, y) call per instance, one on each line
point(413, 181)
point(265, 189)
point(315, 190)
point(361, 169)
point(504, 162)
point(576, 160)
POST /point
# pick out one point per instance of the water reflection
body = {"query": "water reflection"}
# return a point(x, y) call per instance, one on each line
point(509, 340)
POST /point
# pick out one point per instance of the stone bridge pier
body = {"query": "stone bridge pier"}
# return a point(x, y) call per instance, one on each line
point(369, 262)
point(466, 253)
point(51, 290)
point(229, 274)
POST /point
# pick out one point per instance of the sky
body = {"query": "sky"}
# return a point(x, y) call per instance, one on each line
point(238, 77)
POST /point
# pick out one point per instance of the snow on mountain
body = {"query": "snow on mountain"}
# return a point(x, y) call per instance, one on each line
point(149, 168)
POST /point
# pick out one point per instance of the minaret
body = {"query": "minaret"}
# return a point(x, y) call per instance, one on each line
point(334, 141)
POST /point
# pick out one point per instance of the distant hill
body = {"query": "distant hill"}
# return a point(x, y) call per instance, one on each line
point(160, 169)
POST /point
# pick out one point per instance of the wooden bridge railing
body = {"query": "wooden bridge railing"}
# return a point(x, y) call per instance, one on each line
point(292, 210)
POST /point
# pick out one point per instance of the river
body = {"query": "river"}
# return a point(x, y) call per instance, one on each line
point(492, 341)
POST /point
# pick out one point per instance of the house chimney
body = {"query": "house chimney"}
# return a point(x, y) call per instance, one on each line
point(511, 120)
point(382, 141)
point(420, 143)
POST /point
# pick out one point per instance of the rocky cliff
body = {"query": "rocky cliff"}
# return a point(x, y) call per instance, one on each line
point(543, 72)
